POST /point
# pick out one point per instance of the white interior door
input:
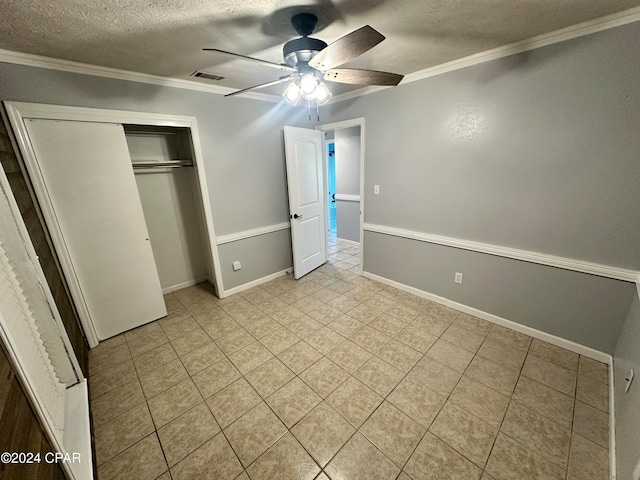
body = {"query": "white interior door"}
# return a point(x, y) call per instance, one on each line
point(96, 219)
point(307, 198)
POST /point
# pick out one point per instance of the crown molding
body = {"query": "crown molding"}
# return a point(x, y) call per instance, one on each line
point(581, 29)
point(568, 33)
point(30, 60)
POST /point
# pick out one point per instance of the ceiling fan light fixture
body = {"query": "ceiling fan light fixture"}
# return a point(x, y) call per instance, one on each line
point(292, 93)
point(323, 94)
point(308, 86)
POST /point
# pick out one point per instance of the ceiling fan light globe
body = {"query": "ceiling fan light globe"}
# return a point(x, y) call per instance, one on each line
point(292, 94)
point(323, 94)
point(308, 85)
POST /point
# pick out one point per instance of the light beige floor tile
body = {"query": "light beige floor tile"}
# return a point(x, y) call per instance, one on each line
point(388, 325)
point(214, 459)
point(175, 327)
point(464, 432)
point(152, 359)
point(103, 358)
point(435, 326)
point(279, 340)
point(112, 377)
point(299, 357)
point(553, 354)
point(142, 461)
point(462, 337)
point(324, 376)
point(379, 376)
point(342, 303)
point(538, 433)
point(503, 354)
point(308, 304)
point(253, 433)
point(480, 401)
point(262, 327)
point(324, 340)
point(250, 357)
point(117, 435)
point(434, 375)
point(326, 295)
point(174, 402)
point(114, 403)
point(473, 324)
point(492, 375)
point(202, 358)
point(189, 342)
point(364, 313)
point(215, 377)
point(399, 355)
point(587, 461)
point(325, 314)
point(591, 423)
point(379, 302)
point(415, 337)
point(450, 355)
point(349, 356)
point(443, 312)
point(402, 312)
point(341, 286)
point(232, 402)
point(435, 460)
point(186, 433)
point(354, 401)
point(550, 374)
point(544, 400)
point(393, 432)
point(370, 339)
point(304, 326)
point(145, 338)
point(286, 460)
point(417, 401)
point(218, 326)
point(511, 461)
point(234, 341)
point(323, 432)
point(162, 378)
point(510, 337)
point(593, 388)
point(269, 377)
point(360, 460)
point(346, 325)
point(293, 401)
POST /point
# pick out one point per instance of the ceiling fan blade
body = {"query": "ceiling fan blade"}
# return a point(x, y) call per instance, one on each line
point(253, 59)
point(362, 77)
point(346, 48)
point(262, 85)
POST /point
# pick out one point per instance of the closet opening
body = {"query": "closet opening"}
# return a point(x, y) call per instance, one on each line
point(162, 159)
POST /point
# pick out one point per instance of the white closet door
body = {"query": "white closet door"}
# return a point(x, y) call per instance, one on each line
point(89, 184)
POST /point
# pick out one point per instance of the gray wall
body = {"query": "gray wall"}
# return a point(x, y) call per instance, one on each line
point(626, 357)
point(241, 141)
point(536, 151)
point(347, 148)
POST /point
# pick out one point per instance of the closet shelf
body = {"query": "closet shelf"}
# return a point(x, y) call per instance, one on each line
point(163, 164)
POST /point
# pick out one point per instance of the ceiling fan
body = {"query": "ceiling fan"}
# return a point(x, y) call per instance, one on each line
point(309, 60)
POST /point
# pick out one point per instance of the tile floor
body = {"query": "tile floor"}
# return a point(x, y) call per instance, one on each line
point(335, 376)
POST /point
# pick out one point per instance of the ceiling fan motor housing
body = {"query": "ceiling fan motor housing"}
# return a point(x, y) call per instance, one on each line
point(301, 50)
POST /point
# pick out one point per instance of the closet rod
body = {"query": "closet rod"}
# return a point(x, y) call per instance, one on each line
point(168, 164)
point(149, 132)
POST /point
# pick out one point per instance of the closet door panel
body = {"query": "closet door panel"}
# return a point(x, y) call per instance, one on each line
point(89, 182)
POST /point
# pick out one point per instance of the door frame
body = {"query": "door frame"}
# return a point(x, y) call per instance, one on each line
point(17, 112)
point(355, 122)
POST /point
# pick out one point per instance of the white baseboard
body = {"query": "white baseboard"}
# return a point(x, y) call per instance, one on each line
point(182, 285)
point(77, 432)
point(347, 242)
point(532, 332)
point(254, 283)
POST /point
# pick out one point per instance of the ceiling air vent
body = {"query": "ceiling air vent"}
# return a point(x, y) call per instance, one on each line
point(207, 76)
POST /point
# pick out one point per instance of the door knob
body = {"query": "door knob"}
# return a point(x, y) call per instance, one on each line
point(296, 216)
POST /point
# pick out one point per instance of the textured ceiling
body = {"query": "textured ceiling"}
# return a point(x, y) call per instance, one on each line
point(165, 37)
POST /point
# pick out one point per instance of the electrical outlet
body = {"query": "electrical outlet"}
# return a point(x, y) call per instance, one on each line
point(458, 277)
point(236, 266)
point(376, 189)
